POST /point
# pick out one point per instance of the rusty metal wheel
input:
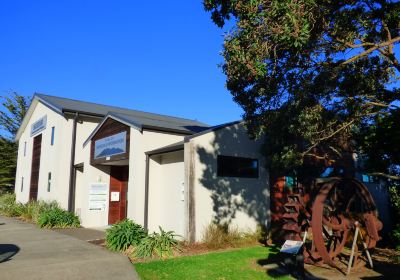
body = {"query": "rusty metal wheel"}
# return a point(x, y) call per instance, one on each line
point(338, 204)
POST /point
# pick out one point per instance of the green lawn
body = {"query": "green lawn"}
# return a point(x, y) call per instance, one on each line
point(236, 264)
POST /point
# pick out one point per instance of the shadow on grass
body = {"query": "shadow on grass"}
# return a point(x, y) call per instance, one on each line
point(280, 264)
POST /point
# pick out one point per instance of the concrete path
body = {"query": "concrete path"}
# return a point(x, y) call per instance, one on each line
point(27, 252)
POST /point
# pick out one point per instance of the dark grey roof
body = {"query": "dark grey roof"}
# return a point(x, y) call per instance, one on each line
point(133, 117)
point(211, 129)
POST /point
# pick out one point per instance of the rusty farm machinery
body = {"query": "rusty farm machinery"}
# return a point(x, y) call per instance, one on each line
point(336, 219)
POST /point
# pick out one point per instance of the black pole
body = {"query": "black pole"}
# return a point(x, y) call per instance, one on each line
point(71, 196)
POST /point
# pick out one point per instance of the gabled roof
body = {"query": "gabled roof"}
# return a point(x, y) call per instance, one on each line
point(135, 118)
point(212, 129)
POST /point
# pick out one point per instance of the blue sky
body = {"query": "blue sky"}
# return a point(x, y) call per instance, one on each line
point(160, 57)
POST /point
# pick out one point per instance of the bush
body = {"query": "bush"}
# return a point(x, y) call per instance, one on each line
point(124, 234)
point(217, 236)
point(8, 206)
point(394, 192)
point(57, 218)
point(158, 244)
point(31, 211)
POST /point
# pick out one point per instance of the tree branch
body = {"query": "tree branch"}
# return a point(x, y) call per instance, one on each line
point(387, 176)
point(370, 50)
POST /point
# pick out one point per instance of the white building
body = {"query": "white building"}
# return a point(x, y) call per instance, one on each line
point(107, 163)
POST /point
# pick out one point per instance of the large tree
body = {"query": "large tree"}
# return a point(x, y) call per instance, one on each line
point(317, 76)
point(13, 108)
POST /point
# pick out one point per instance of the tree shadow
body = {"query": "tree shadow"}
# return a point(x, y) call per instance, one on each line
point(7, 251)
point(231, 195)
point(279, 264)
point(386, 269)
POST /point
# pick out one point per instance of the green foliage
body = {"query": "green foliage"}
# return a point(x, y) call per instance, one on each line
point(381, 143)
point(394, 192)
point(311, 73)
point(8, 206)
point(33, 209)
point(157, 244)
point(56, 217)
point(396, 236)
point(13, 108)
point(8, 163)
point(124, 234)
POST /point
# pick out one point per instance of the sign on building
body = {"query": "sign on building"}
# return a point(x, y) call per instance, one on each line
point(39, 125)
point(110, 146)
point(98, 196)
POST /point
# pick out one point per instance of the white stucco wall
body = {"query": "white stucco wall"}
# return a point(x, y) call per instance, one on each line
point(54, 159)
point(166, 193)
point(243, 202)
point(140, 143)
point(91, 174)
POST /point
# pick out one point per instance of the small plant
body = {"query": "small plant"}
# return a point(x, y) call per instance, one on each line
point(124, 234)
point(58, 218)
point(8, 206)
point(158, 244)
point(32, 210)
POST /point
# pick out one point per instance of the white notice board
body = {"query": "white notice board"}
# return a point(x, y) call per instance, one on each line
point(98, 196)
point(291, 246)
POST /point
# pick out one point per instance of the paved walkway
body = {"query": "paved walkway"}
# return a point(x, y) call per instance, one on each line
point(27, 252)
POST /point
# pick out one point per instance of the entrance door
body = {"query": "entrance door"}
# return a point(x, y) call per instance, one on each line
point(37, 148)
point(118, 191)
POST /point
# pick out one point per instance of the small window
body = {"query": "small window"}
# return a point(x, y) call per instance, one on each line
point(52, 135)
point(25, 148)
point(22, 184)
point(290, 182)
point(369, 179)
point(228, 166)
point(49, 182)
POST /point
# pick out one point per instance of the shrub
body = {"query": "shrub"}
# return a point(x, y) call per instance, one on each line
point(158, 244)
point(58, 218)
point(395, 204)
point(32, 210)
point(217, 236)
point(8, 206)
point(124, 234)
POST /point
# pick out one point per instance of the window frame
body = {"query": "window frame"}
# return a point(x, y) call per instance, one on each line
point(223, 172)
point(49, 175)
point(53, 131)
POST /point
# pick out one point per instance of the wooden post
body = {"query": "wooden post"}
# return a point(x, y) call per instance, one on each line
point(353, 249)
point(366, 251)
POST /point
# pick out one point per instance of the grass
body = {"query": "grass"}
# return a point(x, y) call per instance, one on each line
point(234, 264)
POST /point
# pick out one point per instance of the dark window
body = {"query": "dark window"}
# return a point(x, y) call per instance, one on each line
point(49, 182)
point(22, 184)
point(228, 166)
point(25, 148)
point(52, 135)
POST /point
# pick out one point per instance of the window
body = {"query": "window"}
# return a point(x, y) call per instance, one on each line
point(49, 182)
point(25, 148)
point(52, 135)
point(228, 166)
point(369, 179)
point(22, 184)
point(290, 182)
